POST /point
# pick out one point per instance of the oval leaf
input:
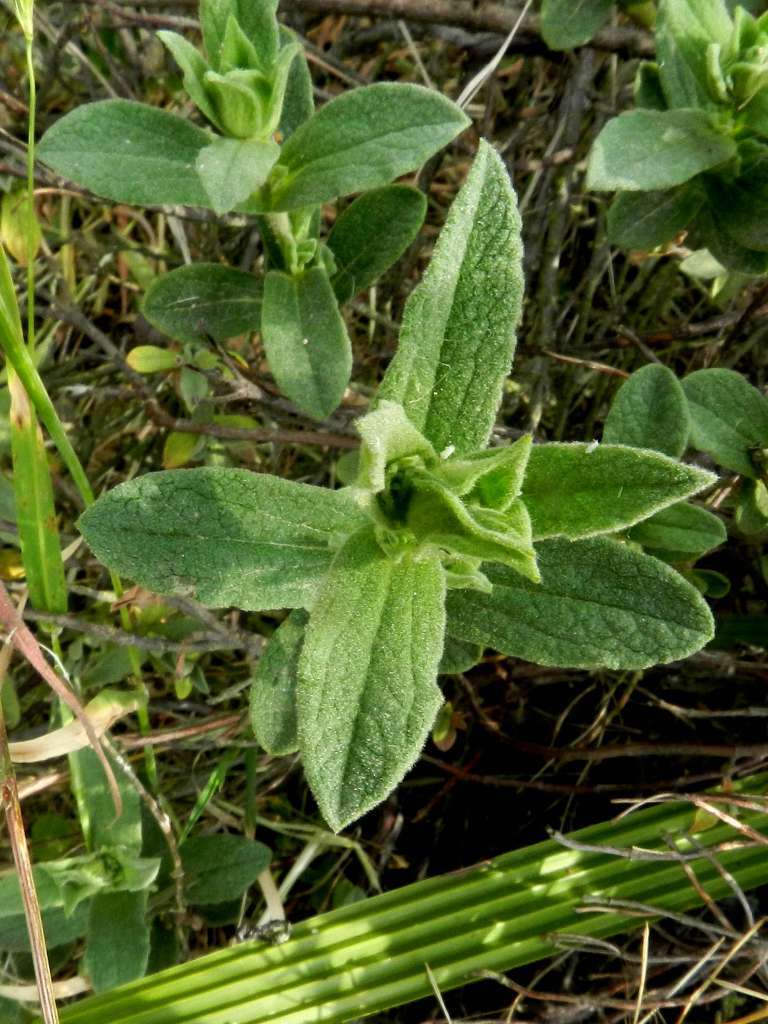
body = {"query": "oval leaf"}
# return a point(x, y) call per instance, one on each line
point(729, 418)
point(643, 220)
point(306, 340)
point(371, 234)
point(569, 23)
point(222, 536)
point(599, 603)
point(682, 528)
point(128, 152)
point(367, 694)
point(650, 411)
point(573, 490)
point(458, 335)
point(642, 150)
point(363, 139)
point(206, 298)
point(220, 868)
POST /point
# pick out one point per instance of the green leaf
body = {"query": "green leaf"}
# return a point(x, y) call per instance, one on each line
point(643, 220)
point(569, 23)
point(96, 807)
point(709, 232)
point(492, 478)
point(299, 101)
point(306, 340)
point(273, 687)
point(599, 603)
point(367, 693)
point(371, 234)
point(152, 359)
point(221, 867)
point(687, 529)
point(740, 210)
point(684, 31)
point(363, 139)
point(213, 20)
point(459, 656)
point(259, 23)
point(117, 941)
point(194, 67)
point(128, 152)
point(647, 87)
point(729, 418)
point(231, 169)
point(752, 508)
point(650, 411)
point(458, 335)
point(223, 536)
point(204, 298)
point(575, 491)
point(388, 436)
point(643, 150)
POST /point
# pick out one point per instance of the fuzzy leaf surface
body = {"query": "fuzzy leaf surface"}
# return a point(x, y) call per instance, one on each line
point(204, 298)
point(363, 139)
point(306, 340)
point(643, 220)
point(646, 150)
point(128, 152)
point(572, 491)
point(684, 31)
point(569, 23)
point(367, 693)
point(650, 411)
point(273, 687)
point(599, 603)
point(372, 233)
point(729, 418)
point(683, 528)
point(218, 868)
point(387, 435)
point(459, 326)
point(231, 169)
point(117, 940)
point(222, 536)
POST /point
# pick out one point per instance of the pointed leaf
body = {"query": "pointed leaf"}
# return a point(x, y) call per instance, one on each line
point(650, 411)
point(599, 603)
point(371, 234)
point(204, 298)
point(299, 99)
point(687, 529)
point(569, 23)
point(643, 220)
point(729, 418)
point(367, 693)
point(643, 150)
point(219, 868)
point(492, 478)
point(128, 152)
point(306, 340)
point(223, 536)
point(363, 139)
point(459, 656)
point(573, 490)
point(684, 31)
point(194, 67)
point(458, 335)
point(388, 436)
point(231, 169)
point(273, 687)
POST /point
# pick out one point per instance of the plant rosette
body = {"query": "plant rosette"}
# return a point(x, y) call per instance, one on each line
point(520, 548)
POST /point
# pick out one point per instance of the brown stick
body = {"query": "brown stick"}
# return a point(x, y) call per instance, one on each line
point(481, 17)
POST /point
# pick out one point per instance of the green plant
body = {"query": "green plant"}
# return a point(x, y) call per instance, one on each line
point(569, 23)
point(693, 155)
point(267, 154)
point(517, 548)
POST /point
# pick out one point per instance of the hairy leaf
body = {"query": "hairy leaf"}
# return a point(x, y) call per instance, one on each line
point(117, 940)
point(388, 436)
point(650, 411)
point(363, 139)
point(204, 298)
point(492, 478)
point(371, 234)
point(643, 220)
point(572, 490)
point(194, 67)
point(643, 150)
point(231, 169)
point(222, 536)
point(218, 868)
point(569, 23)
point(367, 693)
point(599, 603)
point(273, 687)
point(128, 152)
point(729, 418)
point(299, 100)
point(458, 335)
point(459, 656)
point(306, 340)
point(684, 31)
point(687, 529)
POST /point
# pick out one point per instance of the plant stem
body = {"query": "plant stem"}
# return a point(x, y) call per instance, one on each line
point(32, 88)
